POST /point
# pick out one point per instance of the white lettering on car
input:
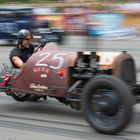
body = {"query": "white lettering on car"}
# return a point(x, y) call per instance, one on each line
point(54, 57)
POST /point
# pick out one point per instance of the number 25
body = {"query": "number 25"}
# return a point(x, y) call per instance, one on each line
point(57, 57)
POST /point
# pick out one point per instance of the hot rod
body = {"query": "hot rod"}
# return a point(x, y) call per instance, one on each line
point(102, 84)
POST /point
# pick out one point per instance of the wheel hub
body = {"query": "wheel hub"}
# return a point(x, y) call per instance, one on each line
point(109, 104)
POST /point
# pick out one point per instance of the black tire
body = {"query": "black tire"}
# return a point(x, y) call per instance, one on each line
point(112, 93)
point(34, 98)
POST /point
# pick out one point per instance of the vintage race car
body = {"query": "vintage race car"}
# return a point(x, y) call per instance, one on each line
point(102, 84)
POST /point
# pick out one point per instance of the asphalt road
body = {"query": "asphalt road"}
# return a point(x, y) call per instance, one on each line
point(51, 120)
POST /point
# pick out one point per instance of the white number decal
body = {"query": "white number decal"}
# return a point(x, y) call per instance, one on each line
point(57, 57)
point(61, 60)
point(39, 63)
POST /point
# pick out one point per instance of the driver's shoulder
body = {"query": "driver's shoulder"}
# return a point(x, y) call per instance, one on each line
point(14, 51)
point(15, 48)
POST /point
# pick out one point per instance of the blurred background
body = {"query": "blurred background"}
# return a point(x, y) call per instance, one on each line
point(104, 25)
point(58, 19)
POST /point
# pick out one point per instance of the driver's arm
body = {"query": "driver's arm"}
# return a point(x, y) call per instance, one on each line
point(18, 62)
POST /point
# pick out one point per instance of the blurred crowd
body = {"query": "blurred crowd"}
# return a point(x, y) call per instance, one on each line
point(107, 21)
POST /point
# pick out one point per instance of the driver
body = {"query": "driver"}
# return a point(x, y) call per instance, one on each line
point(24, 49)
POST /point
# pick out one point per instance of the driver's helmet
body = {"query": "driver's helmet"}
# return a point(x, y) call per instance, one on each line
point(24, 34)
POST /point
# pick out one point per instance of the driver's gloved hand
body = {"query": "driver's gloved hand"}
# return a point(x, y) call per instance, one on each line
point(43, 42)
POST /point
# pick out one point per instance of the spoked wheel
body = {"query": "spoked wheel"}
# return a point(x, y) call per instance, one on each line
point(20, 96)
point(107, 104)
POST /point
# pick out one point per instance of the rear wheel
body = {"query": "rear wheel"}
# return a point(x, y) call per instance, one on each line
point(107, 104)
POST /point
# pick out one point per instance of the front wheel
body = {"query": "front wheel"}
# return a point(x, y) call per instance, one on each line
point(107, 104)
